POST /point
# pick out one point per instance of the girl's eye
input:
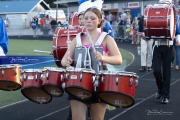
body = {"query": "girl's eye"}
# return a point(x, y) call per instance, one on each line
point(91, 18)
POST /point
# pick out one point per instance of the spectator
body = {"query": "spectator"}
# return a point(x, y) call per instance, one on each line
point(53, 25)
point(3, 39)
point(110, 18)
point(34, 27)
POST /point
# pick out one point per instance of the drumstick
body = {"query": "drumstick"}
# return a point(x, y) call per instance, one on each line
point(92, 45)
point(42, 51)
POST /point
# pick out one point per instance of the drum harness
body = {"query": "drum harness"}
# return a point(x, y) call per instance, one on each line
point(87, 58)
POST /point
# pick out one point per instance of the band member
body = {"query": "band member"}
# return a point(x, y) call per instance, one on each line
point(3, 38)
point(162, 68)
point(92, 21)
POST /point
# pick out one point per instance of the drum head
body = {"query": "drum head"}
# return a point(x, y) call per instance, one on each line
point(9, 85)
point(53, 90)
point(79, 92)
point(36, 95)
point(172, 24)
point(116, 99)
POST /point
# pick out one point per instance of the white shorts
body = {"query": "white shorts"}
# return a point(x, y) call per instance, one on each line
point(1, 52)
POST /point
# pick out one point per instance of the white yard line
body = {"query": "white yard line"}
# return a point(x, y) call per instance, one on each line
point(52, 113)
point(13, 104)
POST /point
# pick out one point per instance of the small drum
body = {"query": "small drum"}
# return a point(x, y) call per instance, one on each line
point(79, 82)
point(31, 86)
point(52, 81)
point(60, 42)
point(117, 88)
point(159, 21)
point(10, 77)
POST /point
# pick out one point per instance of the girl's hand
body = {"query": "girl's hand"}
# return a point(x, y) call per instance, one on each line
point(68, 62)
point(98, 56)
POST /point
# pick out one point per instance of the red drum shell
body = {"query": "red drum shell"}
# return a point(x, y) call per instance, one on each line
point(60, 42)
point(10, 77)
point(80, 88)
point(116, 89)
point(52, 82)
point(31, 87)
point(159, 20)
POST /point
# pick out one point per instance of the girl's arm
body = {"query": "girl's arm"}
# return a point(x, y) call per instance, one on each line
point(65, 60)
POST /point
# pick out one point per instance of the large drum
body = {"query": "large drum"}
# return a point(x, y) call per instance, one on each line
point(60, 42)
point(10, 77)
point(31, 86)
point(159, 21)
point(52, 81)
point(79, 82)
point(117, 88)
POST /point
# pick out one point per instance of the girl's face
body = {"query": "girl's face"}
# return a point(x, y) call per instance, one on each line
point(91, 20)
point(81, 20)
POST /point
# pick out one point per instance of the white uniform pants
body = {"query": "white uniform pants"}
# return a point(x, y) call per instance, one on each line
point(146, 52)
point(1, 52)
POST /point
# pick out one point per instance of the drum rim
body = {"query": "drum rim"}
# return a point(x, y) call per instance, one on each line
point(124, 73)
point(81, 70)
point(32, 70)
point(53, 69)
point(10, 65)
point(133, 100)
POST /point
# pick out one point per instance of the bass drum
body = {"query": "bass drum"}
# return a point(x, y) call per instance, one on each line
point(60, 42)
point(159, 21)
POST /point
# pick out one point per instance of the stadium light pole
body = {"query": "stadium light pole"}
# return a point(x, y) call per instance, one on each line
point(56, 11)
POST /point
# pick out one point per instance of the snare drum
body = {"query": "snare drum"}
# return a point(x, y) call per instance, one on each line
point(159, 21)
point(52, 81)
point(79, 82)
point(117, 88)
point(10, 77)
point(31, 86)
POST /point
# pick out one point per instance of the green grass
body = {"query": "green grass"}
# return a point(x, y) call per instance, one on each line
point(26, 47)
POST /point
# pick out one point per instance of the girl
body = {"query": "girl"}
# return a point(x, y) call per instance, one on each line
point(92, 21)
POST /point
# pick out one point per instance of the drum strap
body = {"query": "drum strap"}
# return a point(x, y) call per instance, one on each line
point(98, 42)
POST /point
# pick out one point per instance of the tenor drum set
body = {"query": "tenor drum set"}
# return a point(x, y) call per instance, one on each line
point(116, 88)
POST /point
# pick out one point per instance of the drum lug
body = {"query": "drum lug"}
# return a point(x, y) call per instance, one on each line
point(63, 85)
point(61, 77)
point(47, 75)
point(21, 78)
point(117, 80)
point(2, 72)
point(81, 77)
point(102, 79)
point(24, 76)
point(15, 73)
point(131, 81)
point(137, 83)
point(42, 76)
point(93, 78)
point(36, 77)
point(96, 83)
point(67, 76)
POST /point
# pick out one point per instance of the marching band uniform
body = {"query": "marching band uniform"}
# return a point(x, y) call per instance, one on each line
point(3, 38)
point(162, 59)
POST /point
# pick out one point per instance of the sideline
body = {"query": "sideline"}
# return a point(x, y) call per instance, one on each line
point(139, 103)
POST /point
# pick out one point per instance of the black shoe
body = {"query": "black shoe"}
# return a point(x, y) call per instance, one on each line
point(158, 95)
point(143, 68)
point(149, 69)
point(165, 100)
